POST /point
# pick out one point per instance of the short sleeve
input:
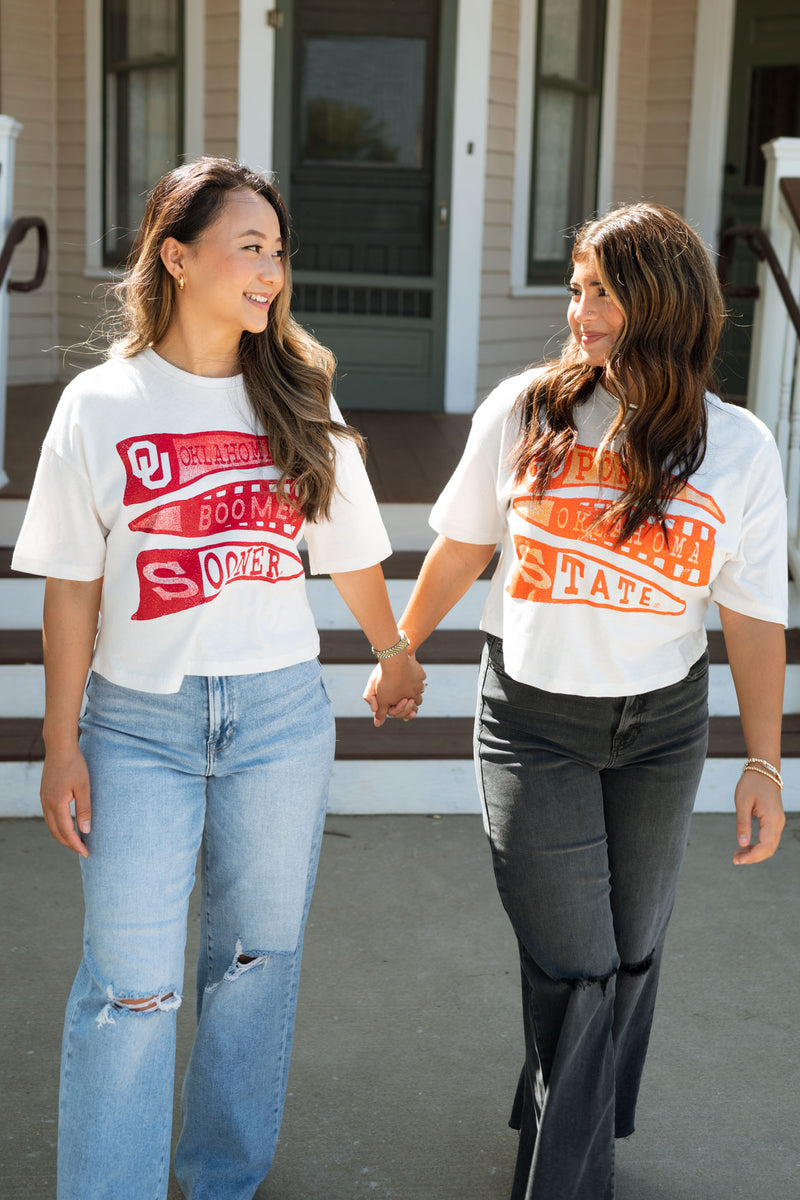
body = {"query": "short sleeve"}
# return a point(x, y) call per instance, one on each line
point(354, 536)
point(754, 580)
point(469, 508)
point(62, 534)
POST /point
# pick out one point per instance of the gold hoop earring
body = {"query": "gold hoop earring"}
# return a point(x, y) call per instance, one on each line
point(181, 282)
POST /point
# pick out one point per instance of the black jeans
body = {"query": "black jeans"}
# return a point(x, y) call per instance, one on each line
point(587, 803)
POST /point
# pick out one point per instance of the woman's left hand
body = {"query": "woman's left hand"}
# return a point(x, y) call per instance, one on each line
point(757, 797)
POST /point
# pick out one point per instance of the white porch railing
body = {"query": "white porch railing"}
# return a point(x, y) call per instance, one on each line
point(774, 383)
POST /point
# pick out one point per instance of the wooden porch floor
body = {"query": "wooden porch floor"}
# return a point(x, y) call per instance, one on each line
point(410, 455)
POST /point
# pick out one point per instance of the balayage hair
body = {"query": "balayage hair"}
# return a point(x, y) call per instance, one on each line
point(657, 270)
point(287, 373)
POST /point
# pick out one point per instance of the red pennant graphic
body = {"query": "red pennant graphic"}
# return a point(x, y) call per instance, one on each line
point(246, 504)
point(172, 580)
point(158, 463)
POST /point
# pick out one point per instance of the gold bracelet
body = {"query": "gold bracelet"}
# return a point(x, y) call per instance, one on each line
point(763, 763)
point(398, 648)
point(776, 777)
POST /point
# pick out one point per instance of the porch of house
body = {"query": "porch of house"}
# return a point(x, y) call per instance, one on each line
point(411, 455)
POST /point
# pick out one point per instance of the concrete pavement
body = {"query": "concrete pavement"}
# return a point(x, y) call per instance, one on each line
point(408, 1039)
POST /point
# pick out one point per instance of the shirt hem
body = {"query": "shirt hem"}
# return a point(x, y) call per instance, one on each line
point(167, 686)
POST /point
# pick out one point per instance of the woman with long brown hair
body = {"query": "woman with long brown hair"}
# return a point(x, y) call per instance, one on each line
point(625, 496)
point(174, 484)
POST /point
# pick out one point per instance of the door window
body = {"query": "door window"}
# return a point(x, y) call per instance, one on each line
point(348, 101)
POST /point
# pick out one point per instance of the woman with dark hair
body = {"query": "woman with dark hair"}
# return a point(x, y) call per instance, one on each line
point(174, 484)
point(625, 496)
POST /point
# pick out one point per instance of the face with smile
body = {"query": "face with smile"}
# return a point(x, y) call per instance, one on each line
point(595, 320)
point(232, 272)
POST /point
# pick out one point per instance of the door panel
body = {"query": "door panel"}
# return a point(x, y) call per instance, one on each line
point(764, 104)
point(363, 145)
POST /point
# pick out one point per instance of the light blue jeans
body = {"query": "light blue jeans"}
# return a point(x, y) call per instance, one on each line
point(236, 767)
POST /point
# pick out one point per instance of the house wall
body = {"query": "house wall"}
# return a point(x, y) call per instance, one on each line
point(27, 77)
point(655, 76)
point(43, 72)
point(222, 77)
point(82, 294)
point(654, 101)
point(632, 100)
point(669, 100)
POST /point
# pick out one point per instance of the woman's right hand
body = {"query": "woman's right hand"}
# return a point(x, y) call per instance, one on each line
point(65, 777)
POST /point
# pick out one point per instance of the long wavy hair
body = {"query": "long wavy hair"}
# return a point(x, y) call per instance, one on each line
point(657, 270)
point(287, 373)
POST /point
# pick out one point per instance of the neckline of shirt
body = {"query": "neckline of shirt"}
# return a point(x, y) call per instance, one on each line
point(605, 398)
point(186, 377)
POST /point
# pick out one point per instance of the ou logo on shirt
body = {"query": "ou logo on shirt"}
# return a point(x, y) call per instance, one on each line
point(153, 470)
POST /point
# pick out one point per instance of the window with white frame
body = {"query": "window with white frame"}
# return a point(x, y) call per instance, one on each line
point(565, 151)
point(143, 69)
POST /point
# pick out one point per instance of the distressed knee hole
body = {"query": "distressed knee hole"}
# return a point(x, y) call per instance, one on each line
point(136, 1005)
point(639, 968)
point(243, 961)
point(589, 981)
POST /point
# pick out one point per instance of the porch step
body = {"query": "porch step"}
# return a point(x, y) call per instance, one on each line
point(24, 646)
point(423, 739)
point(422, 767)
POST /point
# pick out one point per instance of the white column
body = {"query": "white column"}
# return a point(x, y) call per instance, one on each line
point(473, 43)
point(256, 84)
point(713, 52)
point(9, 132)
point(769, 329)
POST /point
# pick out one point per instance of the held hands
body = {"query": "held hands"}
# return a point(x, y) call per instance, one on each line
point(65, 777)
point(757, 797)
point(395, 688)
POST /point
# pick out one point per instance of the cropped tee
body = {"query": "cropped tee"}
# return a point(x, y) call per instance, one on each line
point(578, 614)
point(158, 481)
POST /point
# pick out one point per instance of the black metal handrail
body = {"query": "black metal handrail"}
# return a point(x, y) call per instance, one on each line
point(17, 231)
point(759, 244)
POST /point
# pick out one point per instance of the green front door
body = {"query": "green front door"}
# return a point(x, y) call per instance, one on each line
point(363, 139)
point(764, 104)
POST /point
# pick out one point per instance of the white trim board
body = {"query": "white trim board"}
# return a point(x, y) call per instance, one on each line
point(254, 135)
point(470, 120)
point(709, 116)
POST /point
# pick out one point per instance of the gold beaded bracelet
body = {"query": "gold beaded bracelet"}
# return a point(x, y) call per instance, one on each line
point(769, 773)
point(398, 648)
